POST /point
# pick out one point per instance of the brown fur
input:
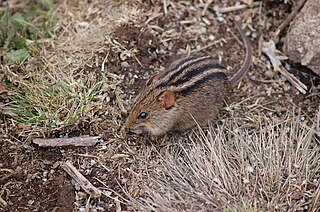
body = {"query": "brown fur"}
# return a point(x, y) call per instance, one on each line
point(192, 90)
point(199, 106)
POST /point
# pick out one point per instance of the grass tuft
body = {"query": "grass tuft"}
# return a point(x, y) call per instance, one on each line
point(53, 103)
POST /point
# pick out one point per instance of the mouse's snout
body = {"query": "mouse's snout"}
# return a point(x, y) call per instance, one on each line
point(135, 130)
point(138, 129)
point(132, 127)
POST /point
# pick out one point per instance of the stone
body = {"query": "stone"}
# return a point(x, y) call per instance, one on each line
point(302, 42)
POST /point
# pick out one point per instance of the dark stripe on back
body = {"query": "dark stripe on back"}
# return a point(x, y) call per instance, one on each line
point(196, 71)
point(181, 64)
point(213, 76)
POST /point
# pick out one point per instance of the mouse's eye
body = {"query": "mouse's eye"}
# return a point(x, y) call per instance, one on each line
point(143, 115)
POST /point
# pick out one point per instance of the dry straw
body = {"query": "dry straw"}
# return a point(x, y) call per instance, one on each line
point(224, 167)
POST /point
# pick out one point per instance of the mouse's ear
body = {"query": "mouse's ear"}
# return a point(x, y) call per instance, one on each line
point(153, 79)
point(167, 98)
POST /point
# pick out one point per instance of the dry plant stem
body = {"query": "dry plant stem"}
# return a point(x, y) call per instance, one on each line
point(165, 7)
point(11, 172)
point(104, 61)
point(209, 2)
point(222, 40)
point(238, 7)
point(2, 202)
point(118, 205)
point(237, 169)
point(291, 78)
point(287, 21)
point(125, 201)
point(75, 141)
point(317, 198)
point(83, 182)
point(269, 48)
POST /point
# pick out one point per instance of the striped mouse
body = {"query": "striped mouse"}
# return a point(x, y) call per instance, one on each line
point(191, 90)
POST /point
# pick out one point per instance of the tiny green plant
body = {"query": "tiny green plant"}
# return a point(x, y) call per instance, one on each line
point(16, 29)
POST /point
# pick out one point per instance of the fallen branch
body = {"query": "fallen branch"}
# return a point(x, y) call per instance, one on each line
point(83, 182)
point(269, 48)
point(74, 141)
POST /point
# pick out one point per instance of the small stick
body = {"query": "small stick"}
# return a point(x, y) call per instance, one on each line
point(4, 203)
point(104, 61)
point(83, 182)
point(237, 7)
point(286, 22)
point(11, 172)
point(118, 205)
point(269, 48)
point(206, 7)
point(165, 9)
point(209, 45)
point(294, 81)
point(74, 141)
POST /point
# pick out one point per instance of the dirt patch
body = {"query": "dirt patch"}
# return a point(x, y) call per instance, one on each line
point(31, 179)
point(28, 180)
point(65, 195)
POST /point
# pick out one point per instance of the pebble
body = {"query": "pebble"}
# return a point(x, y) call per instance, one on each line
point(269, 74)
point(125, 64)
point(212, 37)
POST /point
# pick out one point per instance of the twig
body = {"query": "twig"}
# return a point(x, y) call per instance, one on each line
point(11, 172)
point(153, 16)
point(165, 9)
point(112, 191)
point(269, 48)
point(237, 7)
point(83, 182)
point(118, 205)
point(264, 81)
point(286, 22)
point(206, 7)
point(104, 61)
point(74, 141)
point(2, 202)
point(209, 45)
point(316, 199)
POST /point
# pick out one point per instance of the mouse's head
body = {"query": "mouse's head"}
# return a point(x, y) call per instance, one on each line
point(152, 112)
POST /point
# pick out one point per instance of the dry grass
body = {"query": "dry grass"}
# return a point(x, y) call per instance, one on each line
point(83, 33)
point(64, 78)
point(224, 167)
